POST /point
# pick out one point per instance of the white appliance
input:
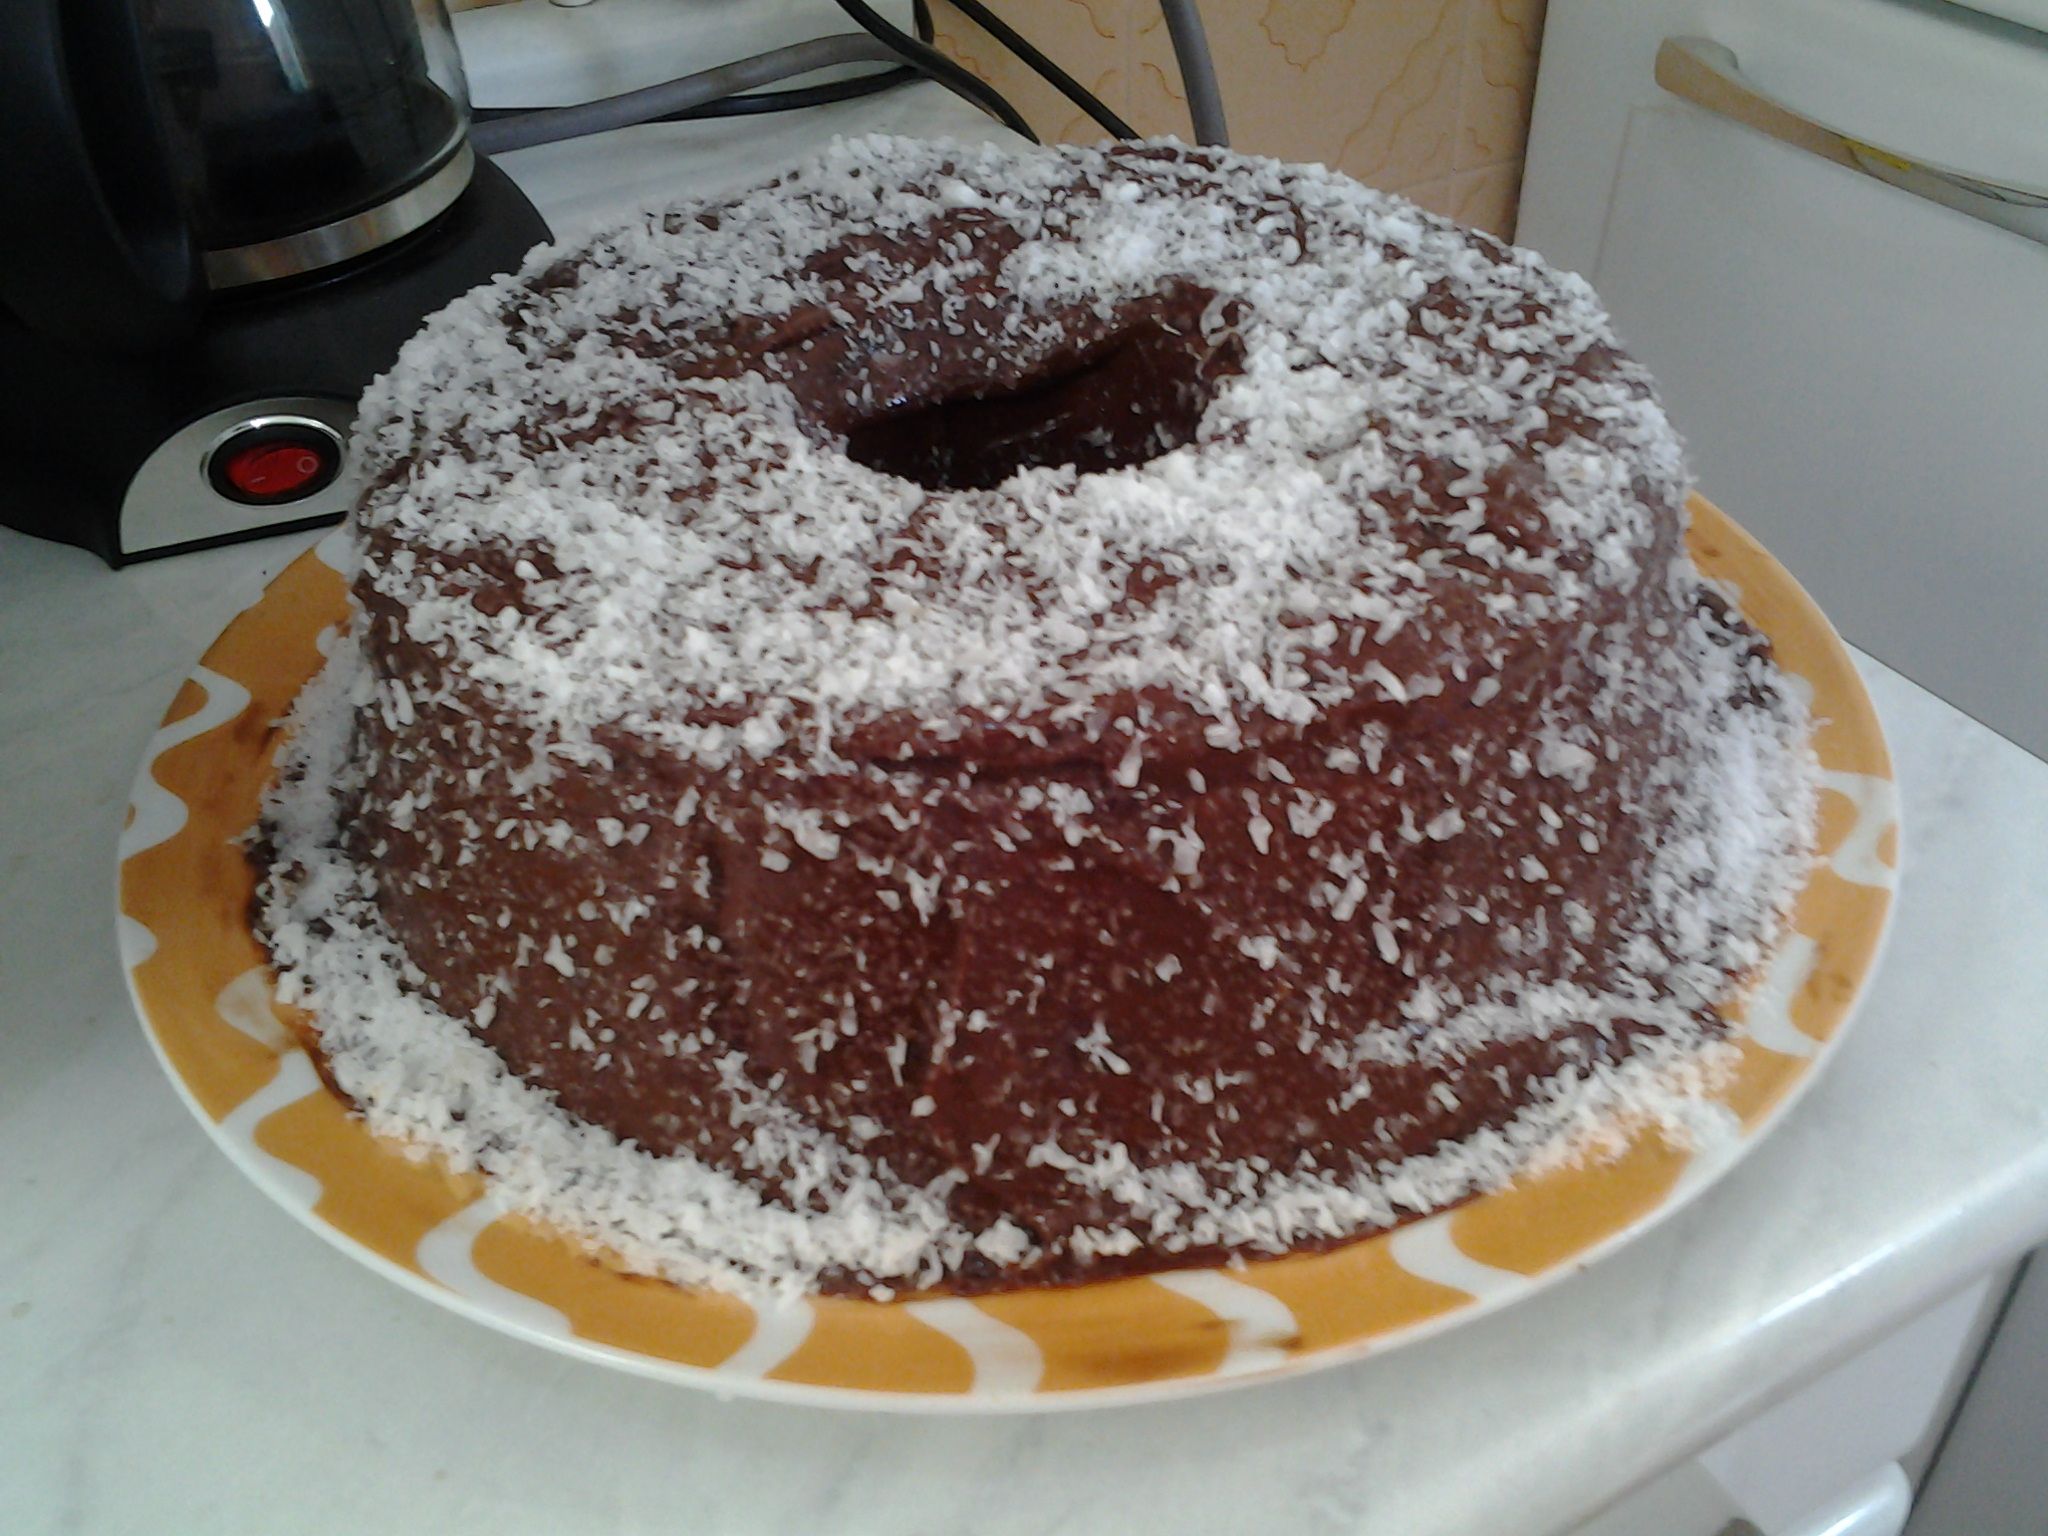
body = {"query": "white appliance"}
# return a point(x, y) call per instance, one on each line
point(1823, 225)
point(1826, 234)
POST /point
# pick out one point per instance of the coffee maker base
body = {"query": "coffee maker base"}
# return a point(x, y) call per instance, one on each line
point(242, 429)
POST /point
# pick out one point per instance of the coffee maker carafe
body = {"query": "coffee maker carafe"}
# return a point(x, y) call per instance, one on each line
point(219, 219)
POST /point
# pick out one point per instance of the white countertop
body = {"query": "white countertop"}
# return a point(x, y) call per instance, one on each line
point(176, 1354)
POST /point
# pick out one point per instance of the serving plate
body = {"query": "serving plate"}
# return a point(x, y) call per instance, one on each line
point(200, 985)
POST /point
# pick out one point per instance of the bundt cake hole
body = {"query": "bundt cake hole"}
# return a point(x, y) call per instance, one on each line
point(1118, 402)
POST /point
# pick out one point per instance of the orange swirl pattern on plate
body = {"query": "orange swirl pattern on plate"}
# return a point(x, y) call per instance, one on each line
point(199, 982)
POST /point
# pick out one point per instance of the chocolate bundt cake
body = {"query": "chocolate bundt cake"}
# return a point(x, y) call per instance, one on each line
point(974, 718)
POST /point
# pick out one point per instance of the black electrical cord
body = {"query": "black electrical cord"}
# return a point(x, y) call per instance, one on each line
point(1056, 77)
point(757, 71)
point(924, 62)
point(754, 103)
point(915, 51)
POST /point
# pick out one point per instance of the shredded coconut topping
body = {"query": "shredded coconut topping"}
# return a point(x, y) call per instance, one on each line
point(707, 567)
point(606, 499)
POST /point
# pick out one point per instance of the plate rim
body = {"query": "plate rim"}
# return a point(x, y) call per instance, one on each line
point(251, 1160)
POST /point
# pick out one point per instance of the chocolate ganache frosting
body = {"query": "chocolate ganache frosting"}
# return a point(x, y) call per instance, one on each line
point(970, 719)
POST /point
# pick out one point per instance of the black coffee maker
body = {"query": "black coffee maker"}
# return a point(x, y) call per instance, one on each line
point(219, 219)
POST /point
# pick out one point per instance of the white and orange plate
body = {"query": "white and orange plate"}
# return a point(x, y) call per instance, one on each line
point(205, 998)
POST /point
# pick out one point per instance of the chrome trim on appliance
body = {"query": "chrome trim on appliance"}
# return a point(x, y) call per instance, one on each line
point(311, 249)
point(170, 501)
point(1708, 74)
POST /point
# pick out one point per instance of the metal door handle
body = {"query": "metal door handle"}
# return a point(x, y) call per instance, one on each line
point(1707, 74)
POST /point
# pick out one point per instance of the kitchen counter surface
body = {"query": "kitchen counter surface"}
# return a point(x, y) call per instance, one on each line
point(176, 1354)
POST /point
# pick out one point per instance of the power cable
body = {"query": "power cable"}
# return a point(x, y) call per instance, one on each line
point(753, 103)
point(1197, 71)
point(1050, 72)
point(915, 51)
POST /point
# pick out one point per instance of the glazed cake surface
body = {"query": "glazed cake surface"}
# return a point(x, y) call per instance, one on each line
point(970, 719)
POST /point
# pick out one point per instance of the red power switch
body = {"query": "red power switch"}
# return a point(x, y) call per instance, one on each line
point(264, 470)
point(267, 464)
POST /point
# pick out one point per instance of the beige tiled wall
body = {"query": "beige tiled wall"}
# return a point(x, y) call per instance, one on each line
point(1425, 97)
